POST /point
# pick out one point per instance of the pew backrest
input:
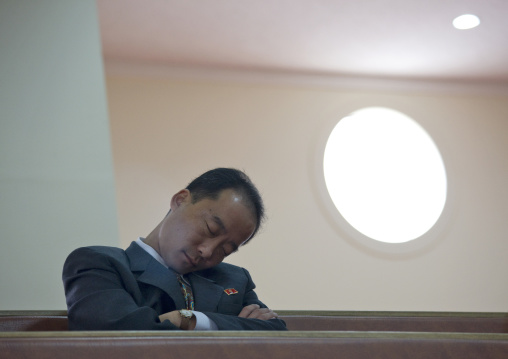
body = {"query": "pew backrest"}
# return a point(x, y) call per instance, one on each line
point(251, 345)
point(310, 321)
point(397, 322)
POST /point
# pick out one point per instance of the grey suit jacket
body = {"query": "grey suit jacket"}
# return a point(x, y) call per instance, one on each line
point(108, 288)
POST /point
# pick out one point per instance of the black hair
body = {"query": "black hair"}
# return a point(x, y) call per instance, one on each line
point(211, 183)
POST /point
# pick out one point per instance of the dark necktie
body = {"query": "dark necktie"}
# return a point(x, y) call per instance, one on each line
point(187, 292)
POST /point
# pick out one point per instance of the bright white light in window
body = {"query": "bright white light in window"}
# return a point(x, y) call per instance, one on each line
point(385, 175)
point(465, 22)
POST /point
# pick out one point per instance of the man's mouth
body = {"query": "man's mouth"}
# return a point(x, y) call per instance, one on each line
point(190, 260)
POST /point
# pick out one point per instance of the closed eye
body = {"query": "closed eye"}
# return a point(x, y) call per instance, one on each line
point(212, 233)
point(229, 251)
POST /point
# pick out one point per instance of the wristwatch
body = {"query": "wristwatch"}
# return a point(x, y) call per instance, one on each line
point(186, 318)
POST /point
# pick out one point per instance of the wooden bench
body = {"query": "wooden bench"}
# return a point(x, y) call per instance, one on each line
point(313, 334)
point(311, 321)
point(459, 322)
point(15, 321)
point(252, 345)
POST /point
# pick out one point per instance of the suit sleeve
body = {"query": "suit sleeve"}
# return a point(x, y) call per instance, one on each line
point(230, 322)
point(233, 322)
point(98, 295)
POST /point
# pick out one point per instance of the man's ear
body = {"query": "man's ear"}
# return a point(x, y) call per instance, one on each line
point(179, 198)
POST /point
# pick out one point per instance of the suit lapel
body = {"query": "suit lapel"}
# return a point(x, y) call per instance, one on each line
point(206, 293)
point(154, 273)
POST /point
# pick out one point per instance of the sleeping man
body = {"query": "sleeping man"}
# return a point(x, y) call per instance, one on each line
point(174, 279)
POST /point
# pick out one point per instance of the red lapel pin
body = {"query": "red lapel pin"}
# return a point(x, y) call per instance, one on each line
point(230, 291)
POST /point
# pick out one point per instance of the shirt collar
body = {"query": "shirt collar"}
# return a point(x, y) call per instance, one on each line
point(140, 242)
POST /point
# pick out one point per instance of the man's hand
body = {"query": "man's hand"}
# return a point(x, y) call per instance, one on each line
point(254, 311)
point(175, 318)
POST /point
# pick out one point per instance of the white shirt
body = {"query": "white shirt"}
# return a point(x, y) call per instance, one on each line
point(202, 321)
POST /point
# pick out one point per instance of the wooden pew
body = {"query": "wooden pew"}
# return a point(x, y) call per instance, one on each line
point(459, 322)
point(252, 345)
point(311, 321)
point(313, 334)
point(49, 320)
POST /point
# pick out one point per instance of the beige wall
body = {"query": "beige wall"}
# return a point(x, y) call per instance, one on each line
point(166, 131)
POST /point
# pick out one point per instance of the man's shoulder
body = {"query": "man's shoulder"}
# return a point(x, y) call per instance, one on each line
point(100, 251)
point(95, 257)
point(226, 267)
point(114, 251)
point(223, 270)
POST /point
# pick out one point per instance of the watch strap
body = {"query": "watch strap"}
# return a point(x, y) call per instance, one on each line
point(186, 316)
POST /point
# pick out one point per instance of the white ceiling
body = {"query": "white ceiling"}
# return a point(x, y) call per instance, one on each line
point(394, 39)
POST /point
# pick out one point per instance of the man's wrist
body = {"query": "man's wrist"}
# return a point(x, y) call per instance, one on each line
point(188, 320)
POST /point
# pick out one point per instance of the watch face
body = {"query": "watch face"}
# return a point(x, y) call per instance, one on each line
point(186, 313)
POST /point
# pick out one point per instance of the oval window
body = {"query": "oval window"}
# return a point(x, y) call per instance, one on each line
point(385, 175)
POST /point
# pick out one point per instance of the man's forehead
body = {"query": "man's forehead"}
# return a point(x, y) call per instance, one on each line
point(220, 207)
point(222, 197)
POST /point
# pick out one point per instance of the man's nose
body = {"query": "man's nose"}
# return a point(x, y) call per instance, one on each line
point(206, 250)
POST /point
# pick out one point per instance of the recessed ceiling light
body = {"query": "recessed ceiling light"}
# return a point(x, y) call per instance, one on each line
point(465, 22)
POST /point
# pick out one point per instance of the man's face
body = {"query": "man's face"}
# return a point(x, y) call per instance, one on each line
point(196, 236)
